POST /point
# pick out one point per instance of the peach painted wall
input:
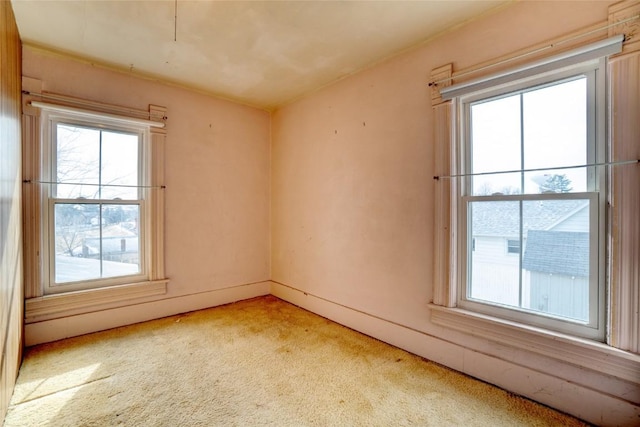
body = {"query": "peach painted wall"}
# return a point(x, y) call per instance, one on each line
point(353, 209)
point(217, 173)
point(352, 173)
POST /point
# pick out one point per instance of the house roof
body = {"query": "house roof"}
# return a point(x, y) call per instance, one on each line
point(502, 218)
point(557, 252)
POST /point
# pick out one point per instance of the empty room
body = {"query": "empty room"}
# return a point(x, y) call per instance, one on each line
point(320, 213)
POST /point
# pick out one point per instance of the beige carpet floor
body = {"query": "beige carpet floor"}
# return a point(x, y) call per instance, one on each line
point(256, 362)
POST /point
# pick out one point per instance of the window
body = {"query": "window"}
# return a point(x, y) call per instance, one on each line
point(94, 206)
point(513, 246)
point(94, 222)
point(577, 246)
point(523, 148)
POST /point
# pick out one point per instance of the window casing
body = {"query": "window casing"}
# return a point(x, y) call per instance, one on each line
point(94, 217)
point(617, 356)
point(512, 135)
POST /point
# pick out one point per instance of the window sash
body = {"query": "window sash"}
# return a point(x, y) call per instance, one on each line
point(53, 286)
point(100, 127)
point(592, 327)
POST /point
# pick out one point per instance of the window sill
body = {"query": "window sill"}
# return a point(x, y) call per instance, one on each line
point(581, 352)
point(59, 305)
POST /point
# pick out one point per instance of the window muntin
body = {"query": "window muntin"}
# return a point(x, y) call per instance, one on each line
point(553, 277)
point(96, 222)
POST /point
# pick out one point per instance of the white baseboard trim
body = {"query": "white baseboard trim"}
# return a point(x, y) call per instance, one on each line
point(71, 326)
point(582, 402)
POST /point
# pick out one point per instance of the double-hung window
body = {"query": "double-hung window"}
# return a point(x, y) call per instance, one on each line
point(95, 215)
point(517, 142)
point(93, 206)
point(530, 198)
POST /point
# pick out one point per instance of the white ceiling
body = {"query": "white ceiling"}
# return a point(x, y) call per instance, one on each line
point(261, 53)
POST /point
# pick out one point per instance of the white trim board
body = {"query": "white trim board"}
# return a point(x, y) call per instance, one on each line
point(579, 352)
point(596, 405)
point(71, 326)
point(52, 306)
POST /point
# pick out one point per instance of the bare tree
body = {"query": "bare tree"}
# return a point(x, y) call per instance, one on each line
point(71, 223)
point(76, 162)
point(485, 189)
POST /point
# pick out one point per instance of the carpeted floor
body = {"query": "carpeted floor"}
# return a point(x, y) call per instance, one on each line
point(256, 362)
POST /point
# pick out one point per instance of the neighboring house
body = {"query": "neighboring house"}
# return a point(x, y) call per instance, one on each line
point(101, 252)
point(115, 242)
point(555, 248)
point(114, 248)
point(557, 264)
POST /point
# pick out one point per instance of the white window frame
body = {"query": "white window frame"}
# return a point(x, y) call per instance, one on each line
point(595, 72)
point(50, 121)
point(42, 303)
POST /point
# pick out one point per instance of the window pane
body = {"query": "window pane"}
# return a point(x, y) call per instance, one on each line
point(119, 165)
point(556, 257)
point(94, 241)
point(495, 138)
point(120, 240)
point(495, 260)
point(76, 258)
point(555, 134)
point(553, 252)
point(77, 161)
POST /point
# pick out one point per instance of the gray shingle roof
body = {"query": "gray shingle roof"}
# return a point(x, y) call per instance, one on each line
point(497, 218)
point(557, 252)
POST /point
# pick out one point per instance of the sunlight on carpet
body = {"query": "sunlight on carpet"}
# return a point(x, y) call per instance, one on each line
point(256, 362)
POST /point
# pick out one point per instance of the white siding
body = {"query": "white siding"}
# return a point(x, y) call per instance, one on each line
point(561, 295)
point(494, 271)
point(576, 222)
